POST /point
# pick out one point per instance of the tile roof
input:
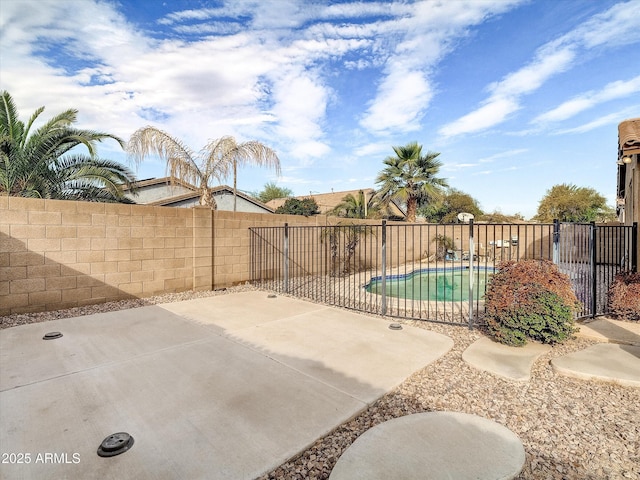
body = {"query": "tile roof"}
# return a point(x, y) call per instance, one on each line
point(629, 136)
point(328, 201)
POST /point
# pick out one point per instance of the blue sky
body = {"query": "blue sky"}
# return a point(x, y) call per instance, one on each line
point(517, 96)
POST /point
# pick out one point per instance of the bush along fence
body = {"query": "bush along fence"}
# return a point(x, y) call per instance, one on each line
point(430, 271)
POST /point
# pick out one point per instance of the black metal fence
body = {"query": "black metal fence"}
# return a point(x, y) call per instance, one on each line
point(429, 271)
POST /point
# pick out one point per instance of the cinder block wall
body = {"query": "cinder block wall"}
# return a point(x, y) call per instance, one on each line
point(231, 241)
point(58, 254)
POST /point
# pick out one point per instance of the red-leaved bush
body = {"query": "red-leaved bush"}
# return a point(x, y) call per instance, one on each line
point(624, 296)
point(530, 300)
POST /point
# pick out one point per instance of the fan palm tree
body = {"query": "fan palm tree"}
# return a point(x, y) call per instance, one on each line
point(39, 164)
point(216, 160)
point(410, 177)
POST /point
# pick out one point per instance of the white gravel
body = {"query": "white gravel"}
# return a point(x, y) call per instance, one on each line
point(570, 428)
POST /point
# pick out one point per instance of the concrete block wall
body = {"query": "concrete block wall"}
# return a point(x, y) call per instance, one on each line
point(58, 254)
point(232, 241)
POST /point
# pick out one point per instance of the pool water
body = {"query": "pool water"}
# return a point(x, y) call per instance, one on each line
point(433, 284)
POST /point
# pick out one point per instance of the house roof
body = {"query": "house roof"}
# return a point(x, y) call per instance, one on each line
point(629, 136)
point(172, 199)
point(220, 189)
point(149, 182)
point(328, 201)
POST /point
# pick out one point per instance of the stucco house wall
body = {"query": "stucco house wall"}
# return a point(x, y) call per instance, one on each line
point(628, 201)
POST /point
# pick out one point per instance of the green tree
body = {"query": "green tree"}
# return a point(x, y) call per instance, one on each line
point(499, 217)
point(271, 191)
point(217, 160)
point(40, 162)
point(446, 209)
point(570, 203)
point(411, 178)
point(294, 206)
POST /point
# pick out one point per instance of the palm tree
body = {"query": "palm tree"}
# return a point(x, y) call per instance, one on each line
point(362, 205)
point(352, 206)
point(39, 164)
point(410, 177)
point(214, 161)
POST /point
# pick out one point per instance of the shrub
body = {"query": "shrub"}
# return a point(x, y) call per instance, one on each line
point(624, 296)
point(295, 206)
point(530, 300)
point(444, 245)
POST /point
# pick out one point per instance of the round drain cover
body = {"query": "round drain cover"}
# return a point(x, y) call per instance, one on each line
point(52, 336)
point(395, 326)
point(115, 444)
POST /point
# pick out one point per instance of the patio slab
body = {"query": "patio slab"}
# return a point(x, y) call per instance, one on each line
point(433, 445)
point(225, 387)
point(607, 329)
point(604, 361)
point(512, 363)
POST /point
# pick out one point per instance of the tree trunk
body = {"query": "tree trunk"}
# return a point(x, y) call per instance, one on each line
point(206, 198)
point(235, 183)
point(412, 207)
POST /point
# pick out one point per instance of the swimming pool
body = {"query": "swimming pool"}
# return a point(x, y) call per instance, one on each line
point(433, 284)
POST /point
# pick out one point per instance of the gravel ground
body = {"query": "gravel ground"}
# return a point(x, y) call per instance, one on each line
point(570, 428)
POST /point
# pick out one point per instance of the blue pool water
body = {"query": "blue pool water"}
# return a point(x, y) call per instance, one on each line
point(433, 284)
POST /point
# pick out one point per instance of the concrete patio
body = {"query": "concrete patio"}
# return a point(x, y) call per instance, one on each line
point(217, 388)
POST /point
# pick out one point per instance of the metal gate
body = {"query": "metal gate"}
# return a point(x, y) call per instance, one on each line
point(592, 255)
point(430, 271)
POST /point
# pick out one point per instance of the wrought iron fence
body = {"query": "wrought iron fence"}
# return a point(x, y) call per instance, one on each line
point(429, 271)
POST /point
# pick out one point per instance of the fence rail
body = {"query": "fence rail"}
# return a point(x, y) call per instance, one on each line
point(429, 271)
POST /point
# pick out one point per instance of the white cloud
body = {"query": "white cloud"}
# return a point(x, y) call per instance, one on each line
point(506, 154)
point(547, 63)
point(421, 40)
point(506, 93)
point(570, 108)
point(611, 119)
point(551, 59)
point(616, 26)
point(373, 149)
point(400, 102)
point(491, 113)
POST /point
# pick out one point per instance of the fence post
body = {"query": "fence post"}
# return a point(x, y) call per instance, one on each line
point(471, 260)
point(383, 281)
point(286, 257)
point(634, 247)
point(593, 242)
point(556, 242)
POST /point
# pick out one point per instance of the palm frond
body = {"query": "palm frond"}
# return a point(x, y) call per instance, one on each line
point(181, 160)
point(10, 124)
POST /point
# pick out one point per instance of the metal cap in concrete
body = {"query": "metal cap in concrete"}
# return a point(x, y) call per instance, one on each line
point(604, 361)
point(434, 445)
point(512, 363)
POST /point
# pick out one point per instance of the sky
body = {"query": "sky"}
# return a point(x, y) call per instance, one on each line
point(516, 96)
